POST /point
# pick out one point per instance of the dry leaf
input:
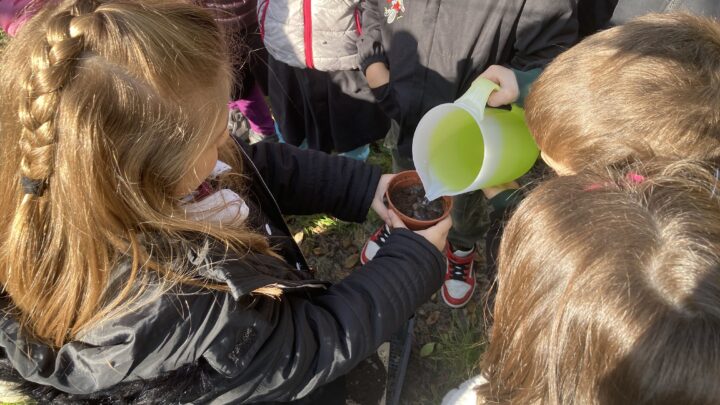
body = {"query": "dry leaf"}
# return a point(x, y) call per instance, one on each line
point(299, 237)
point(351, 261)
point(432, 318)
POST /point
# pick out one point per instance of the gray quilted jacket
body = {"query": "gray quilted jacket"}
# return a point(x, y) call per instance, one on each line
point(315, 34)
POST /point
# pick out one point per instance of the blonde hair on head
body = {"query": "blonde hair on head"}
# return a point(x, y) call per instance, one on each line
point(609, 285)
point(650, 87)
point(105, 106)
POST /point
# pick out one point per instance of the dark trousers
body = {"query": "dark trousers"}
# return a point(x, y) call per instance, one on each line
point(331, 110)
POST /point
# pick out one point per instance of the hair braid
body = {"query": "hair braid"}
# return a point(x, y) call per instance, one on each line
point(109, 101)
point(52, 67)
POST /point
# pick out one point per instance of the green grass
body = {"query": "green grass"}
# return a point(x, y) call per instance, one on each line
point(460, 345)
point(459, 341)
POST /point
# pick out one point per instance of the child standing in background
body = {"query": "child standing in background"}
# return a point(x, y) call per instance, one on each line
point(319, 97)
point(417, 55)
point(238, 19)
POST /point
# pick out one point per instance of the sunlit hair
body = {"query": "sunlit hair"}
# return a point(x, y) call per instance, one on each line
point(609, 287)
point(106, 104)
point(650, 87)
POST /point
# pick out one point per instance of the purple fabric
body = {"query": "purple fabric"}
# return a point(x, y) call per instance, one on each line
point(12, 15)
point(256, 110)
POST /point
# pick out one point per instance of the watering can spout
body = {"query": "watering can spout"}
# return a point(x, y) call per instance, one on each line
point(434, 188)
point(433, 194)
point(432, 197)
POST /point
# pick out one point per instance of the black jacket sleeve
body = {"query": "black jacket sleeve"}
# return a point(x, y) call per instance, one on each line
point(249, 347)
point(299, 342)
point(369, 43)
point(309, 182)
point(544, 30)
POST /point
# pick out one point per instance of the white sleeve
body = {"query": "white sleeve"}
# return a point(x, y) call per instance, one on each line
point(464, 394)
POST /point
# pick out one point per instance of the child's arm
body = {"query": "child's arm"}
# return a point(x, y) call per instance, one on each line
point(369, 44)
point(302, 342)
point(309, 182)
point(243, 346)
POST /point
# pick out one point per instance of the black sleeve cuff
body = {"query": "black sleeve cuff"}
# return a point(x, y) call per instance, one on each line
point(378, 57)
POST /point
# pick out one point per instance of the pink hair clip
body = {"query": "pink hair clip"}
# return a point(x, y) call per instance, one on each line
point(631, 177)
point(634, 178)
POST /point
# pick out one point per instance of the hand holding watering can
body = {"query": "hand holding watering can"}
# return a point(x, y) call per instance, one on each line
point(464, 146)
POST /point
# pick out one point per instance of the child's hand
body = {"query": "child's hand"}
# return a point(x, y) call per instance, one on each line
point(377, 75)
point(378, 204)
point(505, 78)
point(436, 234)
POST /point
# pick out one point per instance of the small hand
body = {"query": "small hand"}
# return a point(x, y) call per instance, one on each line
point(437, 234)
point(505, 78)
point(377, 75)
point(378, 205)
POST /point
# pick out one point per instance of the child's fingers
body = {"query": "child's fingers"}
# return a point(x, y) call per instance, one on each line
point(395, 221)
point(444, 225)
point(507, 81)
point(501, 97)
point(382, 211)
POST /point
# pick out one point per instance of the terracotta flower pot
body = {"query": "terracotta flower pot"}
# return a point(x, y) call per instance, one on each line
point(407, 179)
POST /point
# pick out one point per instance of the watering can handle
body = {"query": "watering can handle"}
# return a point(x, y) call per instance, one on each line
point(475, 99)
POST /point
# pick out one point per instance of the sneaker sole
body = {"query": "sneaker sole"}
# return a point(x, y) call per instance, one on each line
point(363, 260)
point(442, 294)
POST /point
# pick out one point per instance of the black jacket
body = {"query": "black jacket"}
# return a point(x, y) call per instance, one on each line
point(435, 49)
point(214, 347)
point(595, 15)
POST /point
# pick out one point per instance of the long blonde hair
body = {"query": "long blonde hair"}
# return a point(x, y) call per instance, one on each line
point(609, 287)
point(105, 106)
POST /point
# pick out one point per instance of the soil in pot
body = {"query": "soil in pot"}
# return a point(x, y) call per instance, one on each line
point(411, 201)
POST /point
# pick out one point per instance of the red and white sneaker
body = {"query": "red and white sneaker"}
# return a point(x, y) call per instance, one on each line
point(459, 282)
point(374, 243)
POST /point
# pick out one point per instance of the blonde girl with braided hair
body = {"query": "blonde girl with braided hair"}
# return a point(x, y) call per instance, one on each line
point(143, 253)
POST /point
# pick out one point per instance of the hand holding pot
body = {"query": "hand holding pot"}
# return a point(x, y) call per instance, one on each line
point(436, 234)
point(378, 205)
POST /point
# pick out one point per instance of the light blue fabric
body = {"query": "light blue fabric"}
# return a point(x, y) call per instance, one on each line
point(360, 153)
